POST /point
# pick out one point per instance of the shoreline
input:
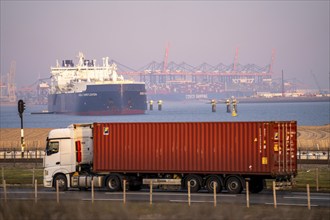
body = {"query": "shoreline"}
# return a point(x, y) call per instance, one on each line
point(239, 99)
point(308, 137)
point(283, 99)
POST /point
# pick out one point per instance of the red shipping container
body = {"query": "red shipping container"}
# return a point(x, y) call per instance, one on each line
point(257, 148)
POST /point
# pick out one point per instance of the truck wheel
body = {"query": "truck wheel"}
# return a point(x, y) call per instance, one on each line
point(209, 184)
point(256, 185)
point(233, 185)
point(113, 183)
point(62, 182)
point(195, 183)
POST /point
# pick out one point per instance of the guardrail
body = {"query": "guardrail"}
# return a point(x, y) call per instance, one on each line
point(313, 154)
point(303, 156)
point(17, 154)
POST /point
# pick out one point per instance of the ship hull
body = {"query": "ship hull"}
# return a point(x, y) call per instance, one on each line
point(103, 99)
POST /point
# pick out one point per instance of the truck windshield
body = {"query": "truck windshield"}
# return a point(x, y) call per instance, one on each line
point(52, 147)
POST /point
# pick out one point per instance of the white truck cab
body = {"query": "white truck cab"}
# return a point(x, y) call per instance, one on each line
point(68, 151)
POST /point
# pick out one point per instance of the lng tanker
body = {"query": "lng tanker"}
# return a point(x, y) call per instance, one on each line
point(88, 89)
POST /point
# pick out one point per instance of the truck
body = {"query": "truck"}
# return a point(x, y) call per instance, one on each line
point(208, 155)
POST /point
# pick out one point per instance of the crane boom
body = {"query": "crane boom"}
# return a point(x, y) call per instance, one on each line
point(316, 82)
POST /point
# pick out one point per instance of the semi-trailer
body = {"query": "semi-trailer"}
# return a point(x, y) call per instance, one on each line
point(226, 154)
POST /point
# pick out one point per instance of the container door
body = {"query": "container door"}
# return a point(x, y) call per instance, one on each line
point(285, 148)
point(263, 141)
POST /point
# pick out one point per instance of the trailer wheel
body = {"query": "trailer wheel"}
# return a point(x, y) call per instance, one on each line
point(62, 182)
point(113, 183)
point(233, 185)
point(195, 183)
point(256, 185)
point(209, 184)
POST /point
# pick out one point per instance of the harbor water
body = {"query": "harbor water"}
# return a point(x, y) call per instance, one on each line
point(305, 113)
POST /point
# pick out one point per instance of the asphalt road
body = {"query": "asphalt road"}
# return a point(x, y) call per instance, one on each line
point(283, 198)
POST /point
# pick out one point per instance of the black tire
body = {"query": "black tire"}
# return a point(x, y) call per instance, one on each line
point(256, 185)
point(62, 182)
point(195, 183)
point(234, 185)
point(209, 184)
point(113, 183)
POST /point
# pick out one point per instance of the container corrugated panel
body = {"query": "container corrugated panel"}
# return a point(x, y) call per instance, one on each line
point(266, 148)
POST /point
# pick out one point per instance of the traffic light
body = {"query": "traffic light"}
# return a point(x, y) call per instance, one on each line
point(21, 106)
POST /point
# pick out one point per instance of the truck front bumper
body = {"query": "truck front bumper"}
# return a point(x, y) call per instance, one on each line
point(48, 179)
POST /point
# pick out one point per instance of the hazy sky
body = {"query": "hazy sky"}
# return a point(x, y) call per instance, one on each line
point(134, 33)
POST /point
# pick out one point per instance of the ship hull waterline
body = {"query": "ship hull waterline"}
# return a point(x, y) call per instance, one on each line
point(117, 99)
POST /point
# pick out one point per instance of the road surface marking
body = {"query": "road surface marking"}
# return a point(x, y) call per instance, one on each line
point(303, 197)
point(186, 201)
point(103, 199)
point(32, 192)
point(289, 204)
point(304, 193)
point(168, 194)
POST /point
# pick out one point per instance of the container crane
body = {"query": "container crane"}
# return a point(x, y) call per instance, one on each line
point(317, 83)
point(7, 85)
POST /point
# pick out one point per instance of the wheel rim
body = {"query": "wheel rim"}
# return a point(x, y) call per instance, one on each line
point(112, 183)
point(212, 184)
point(193, 183)
point(233, 185)
point(61, 183)
point(60, 180)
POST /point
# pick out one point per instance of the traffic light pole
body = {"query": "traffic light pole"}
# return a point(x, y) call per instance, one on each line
point(22, 136)
point(21, 108)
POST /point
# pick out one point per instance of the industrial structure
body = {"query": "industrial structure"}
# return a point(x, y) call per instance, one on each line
point(7, 85)
point(170, 80)
point(176, 81)
point(35, 93)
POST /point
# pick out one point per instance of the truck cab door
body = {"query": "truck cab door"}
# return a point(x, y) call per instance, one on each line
point(53, 158)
